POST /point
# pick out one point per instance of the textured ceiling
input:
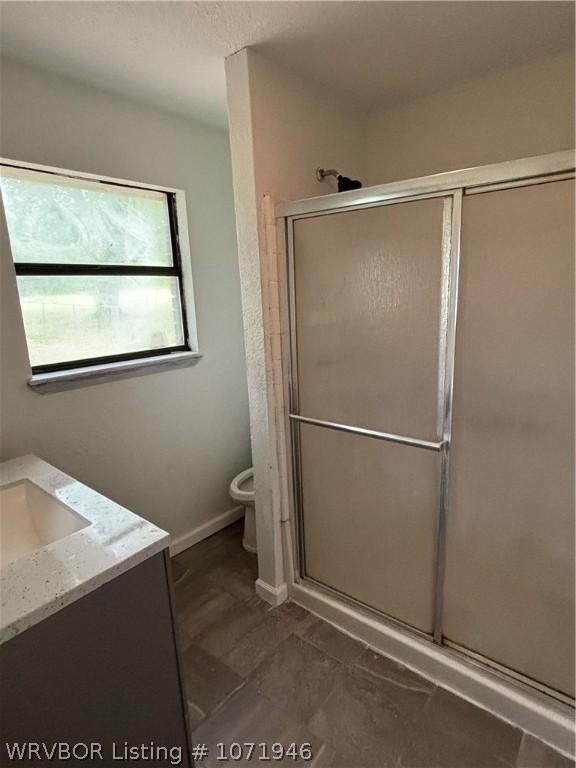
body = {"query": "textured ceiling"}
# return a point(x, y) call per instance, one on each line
point(171, 54)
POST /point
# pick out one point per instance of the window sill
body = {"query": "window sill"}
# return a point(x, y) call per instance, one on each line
point(56, 381)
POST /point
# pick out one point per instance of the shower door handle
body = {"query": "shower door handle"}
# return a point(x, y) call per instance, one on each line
point(389, 437)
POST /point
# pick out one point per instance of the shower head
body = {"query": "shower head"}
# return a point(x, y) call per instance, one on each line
point(344, 183)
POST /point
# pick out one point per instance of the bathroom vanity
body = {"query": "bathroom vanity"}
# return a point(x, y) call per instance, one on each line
point(88, 646)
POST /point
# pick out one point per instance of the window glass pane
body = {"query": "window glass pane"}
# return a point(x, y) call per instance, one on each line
point(72, 317)
point(55, 219)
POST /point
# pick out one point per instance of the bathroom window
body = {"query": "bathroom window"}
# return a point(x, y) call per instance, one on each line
point(102, 276)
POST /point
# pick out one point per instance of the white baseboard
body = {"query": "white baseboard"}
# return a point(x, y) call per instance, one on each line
point(186, 540)
point(273, 595)
point(550, 721)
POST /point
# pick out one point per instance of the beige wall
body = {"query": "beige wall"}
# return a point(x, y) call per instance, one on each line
point(520, 112)
point(296, 128)
point(281, 129)
point(167, 444)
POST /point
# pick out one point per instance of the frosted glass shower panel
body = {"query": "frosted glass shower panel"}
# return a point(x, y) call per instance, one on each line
point(510, 534)
point(369, 520)
point(367, 293)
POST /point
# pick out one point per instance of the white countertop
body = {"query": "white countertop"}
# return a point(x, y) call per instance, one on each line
point(46, 580)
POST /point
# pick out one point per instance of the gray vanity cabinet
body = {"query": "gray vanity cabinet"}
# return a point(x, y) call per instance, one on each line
point(103, 670)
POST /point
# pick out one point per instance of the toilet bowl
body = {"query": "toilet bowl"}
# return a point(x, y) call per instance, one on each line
point(242, 491)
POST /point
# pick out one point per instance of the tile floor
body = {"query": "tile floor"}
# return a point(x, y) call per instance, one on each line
point(257, 674)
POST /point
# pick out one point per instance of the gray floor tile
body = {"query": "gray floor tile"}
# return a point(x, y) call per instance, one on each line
point(452, 733)
point(300, 617)
point(325, 757)
point(391, 672)
point(191, 589)
point(366, 721)
point(298, 675)
point(283, 675)
point(258, 644)
point(203, 609)
point(333, 642)
point(195, 715)
point(204, 555)
point(237, 573)
point(230, 627)
point(183, 638)
point(535, 754)
point(255, 601)
point(249, 716)
point(179, 571)
point(208, 680)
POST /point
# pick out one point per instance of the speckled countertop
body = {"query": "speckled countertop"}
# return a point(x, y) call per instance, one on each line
point(46, 580)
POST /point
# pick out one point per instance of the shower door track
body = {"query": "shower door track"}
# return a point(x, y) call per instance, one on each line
point(460, 652)
point(481, 661)
point(452, 185)
point(549, 167)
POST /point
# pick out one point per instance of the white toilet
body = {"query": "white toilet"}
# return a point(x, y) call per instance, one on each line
point(242, 491)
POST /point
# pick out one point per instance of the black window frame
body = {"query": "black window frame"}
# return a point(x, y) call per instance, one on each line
point(55, 268)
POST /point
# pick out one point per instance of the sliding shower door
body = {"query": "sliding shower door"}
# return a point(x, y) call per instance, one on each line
point(432, 408)
point(509, 591)
point(369, 307)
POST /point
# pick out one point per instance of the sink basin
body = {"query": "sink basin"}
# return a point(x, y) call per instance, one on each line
point(30, 519)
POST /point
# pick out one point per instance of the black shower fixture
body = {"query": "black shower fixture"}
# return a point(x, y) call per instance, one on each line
point(344, 183)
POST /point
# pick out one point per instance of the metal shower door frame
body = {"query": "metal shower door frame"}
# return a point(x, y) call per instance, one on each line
point(449, 255)
point(452, 186)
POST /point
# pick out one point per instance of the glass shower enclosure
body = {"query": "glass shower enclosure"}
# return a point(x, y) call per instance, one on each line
point(432, 408)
